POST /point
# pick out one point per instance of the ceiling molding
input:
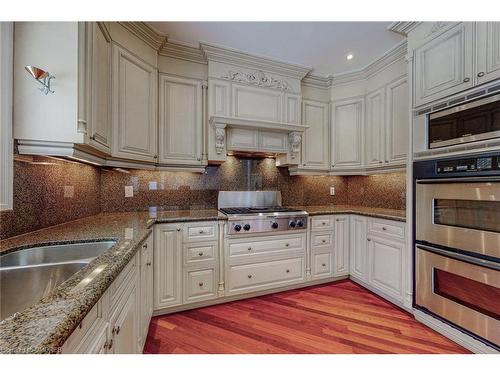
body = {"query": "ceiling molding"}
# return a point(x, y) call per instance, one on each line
point(403, 27)
point(317, 81)
point(218, 53)
point(396, 53)
point(146, 33)
point(183, 51)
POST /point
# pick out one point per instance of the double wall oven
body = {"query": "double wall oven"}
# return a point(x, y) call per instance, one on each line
point(457, 243)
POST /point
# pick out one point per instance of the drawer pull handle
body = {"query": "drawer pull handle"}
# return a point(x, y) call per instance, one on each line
point(249, 276)
point(323, 241)
point(480, 74)
point(200, 254)
point(368, 239)
point(384, 228)
point(466, 79)
point(145, 246)
point(200, 284)
point(178, 229)
point(202, 231)
point(249, 249)
point(116, 330)
point(339, 219)
point(287, 271)
point(324, 264)
point(148, 264)
point(108, 345)
point(287, 244)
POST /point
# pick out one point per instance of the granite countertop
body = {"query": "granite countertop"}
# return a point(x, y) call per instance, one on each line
point(45, 326)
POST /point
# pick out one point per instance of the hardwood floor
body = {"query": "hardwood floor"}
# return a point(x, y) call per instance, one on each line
point(340, 317)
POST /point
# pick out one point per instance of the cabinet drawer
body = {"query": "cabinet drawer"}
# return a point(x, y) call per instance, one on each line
point(322, 222)
point(91, 319)
point(264, 275)
point(266, 246)
point(200, 232)
point(322, 265)
point(386, 228)
point(121, 283)
point(321, 240)
point(200, 285)
point(196, 253)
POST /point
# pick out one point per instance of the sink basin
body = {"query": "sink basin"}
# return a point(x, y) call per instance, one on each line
point(28, 275)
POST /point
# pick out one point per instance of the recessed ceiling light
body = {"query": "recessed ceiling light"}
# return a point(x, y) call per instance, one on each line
point(350, 56)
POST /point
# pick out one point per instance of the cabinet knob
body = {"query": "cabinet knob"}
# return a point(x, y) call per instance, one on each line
point(337, 219)
point(249, 249)
point(380, 161)
point(148, 264)
point(480, 74)
point(287, 244)
point(323, 241)
point(287, 271)
point(156, 156)
point(368, 239)
point(466, 79)
point(324, 264)
point(249, 276)
point(116, 330)
point(145, 246)
point(92, 138)
point(200, 284)
point(178, 229)
point(384, 228)
point(108, 344)
point(199, 159)
point(200, 254)
point(323, 223)
point(202, 231)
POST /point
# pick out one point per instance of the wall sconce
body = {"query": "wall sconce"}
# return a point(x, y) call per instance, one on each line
point(42, 77)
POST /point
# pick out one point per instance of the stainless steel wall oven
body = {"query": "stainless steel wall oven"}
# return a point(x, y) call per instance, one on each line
point(457, 243)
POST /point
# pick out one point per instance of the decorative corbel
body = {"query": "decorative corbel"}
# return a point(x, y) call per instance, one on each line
point(220, 138)
point(295, 140)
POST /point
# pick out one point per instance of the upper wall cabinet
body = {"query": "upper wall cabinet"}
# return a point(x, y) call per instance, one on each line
point(375, 128)
point(487, 51)
point(180, 121)
point(315, 150)
point(443, 65)
point(397, 123)
point(347, 134)
point(134, 107)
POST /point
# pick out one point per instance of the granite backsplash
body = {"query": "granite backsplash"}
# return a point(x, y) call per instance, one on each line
point(49, 191)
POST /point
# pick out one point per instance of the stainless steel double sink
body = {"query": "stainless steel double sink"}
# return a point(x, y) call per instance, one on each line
point(28, 275)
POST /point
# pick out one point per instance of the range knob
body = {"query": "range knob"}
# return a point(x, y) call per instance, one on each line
point(300, 223)
point(246, 227)
point(292, 223)
point(237, 227)
point(274, 225)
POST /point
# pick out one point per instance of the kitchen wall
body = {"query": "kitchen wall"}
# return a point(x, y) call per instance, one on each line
point(49, 191)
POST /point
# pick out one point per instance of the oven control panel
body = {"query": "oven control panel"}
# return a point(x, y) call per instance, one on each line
point(476, 164)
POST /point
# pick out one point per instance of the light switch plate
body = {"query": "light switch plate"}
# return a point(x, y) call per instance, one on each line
point(129, 191)
point(332, 190)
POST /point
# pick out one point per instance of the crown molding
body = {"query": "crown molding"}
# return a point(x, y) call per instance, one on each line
point(403, 27)
point(218, 53)
point(183, 51)
point(317, 81)
point(396, 53)
point(146, 33)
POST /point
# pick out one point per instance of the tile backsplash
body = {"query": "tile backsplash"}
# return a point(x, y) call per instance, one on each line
point(49, 191)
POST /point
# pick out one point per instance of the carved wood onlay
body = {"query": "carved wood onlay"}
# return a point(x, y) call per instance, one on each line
point(257, 78)
point(220, 138)
point(295, 140)
point(437, 26)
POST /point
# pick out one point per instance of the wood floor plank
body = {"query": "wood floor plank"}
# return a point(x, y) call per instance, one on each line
point(340, 317)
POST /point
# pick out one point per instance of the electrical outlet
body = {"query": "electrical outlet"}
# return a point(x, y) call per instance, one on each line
point(69, 191)
point(332, 190)
point(129, 191)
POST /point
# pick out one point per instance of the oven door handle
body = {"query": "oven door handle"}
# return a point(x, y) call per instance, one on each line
point(462, 257)
point(458, 180)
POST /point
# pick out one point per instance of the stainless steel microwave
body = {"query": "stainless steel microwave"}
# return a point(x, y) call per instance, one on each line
point(473, 121)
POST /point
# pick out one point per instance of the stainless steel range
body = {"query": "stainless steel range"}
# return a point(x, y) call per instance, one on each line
point(259, 212)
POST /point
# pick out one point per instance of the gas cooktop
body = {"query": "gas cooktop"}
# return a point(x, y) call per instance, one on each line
point(254, 210)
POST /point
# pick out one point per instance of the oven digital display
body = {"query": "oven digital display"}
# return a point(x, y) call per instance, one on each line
point(468, 165)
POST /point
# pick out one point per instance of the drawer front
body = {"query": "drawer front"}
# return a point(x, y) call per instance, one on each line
point(387, 228)
point(265, 275)
point(123, 280)
point(200, 285)
point(200, 232)
point(321, 240)
point(266, 246)
point(196, 253)
point(322, 265)
point(322, 222)
point(91, 319)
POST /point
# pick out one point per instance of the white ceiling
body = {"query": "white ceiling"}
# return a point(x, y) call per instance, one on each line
point(321, 45)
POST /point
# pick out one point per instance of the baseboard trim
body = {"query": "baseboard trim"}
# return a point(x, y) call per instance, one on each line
point(454, 334)
point(398, 303)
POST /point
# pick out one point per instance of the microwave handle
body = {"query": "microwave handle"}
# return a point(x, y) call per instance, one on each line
point(462, 257)
point(458, 180)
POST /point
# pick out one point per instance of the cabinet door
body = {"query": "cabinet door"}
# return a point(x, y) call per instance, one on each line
point(243, 140)
point(358, 248)
point(443, 66)
point(167, 266)
point(375, 126)
point(125, 329)
point(341, 248)
point(134, 107)
point(347, 135)
point(292, 108)
point(180, 121)
point(487, 51)
point(99, 129)
point(397, 122)
point(385, 258)
point(315, 143)
point(146, 289)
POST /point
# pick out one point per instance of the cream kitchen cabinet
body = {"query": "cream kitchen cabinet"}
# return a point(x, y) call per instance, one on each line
point(487, 51)
point(358, 248)
point(315, 145)
point(167, 266)
point(180, 121)
point(347, 134)
point(341, 247)
point(146, 289)
point(375, 127)
point(134, 108)
point(322, 247)
point(444, 64)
